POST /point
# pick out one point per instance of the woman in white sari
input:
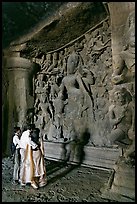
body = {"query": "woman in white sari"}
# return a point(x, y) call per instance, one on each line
point(33, 168)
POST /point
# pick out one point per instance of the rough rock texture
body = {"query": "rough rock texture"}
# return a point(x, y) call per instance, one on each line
point(66, 183)
point(49, 26)
point(84, 90)
point(20, 17)
point(64, 92)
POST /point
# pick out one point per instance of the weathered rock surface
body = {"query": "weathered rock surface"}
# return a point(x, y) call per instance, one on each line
point(66, 183)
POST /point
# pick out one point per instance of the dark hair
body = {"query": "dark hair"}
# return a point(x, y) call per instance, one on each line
point(16, 129)
point(35, 135)
point(31, 126)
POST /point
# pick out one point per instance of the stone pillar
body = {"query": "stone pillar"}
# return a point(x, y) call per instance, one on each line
point(121, 185)
point(119, 12)
point(18, 95)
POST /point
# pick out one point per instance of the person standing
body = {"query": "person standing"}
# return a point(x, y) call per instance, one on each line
point(33, 169)
point(16, 155)
point(24, 140)
point(38, 165)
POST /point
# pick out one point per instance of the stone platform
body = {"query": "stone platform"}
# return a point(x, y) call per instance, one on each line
point(93, 156)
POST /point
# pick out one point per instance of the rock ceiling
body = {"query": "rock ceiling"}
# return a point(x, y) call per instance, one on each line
point(44, 26)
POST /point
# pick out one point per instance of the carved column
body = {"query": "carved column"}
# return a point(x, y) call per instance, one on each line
point(18, 96)
point(119, 12)
point(121, 185)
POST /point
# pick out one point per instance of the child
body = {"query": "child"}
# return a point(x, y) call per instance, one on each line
point(16, 156)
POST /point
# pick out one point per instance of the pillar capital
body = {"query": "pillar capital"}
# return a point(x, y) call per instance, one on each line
point(18, 63)
point(14, 50)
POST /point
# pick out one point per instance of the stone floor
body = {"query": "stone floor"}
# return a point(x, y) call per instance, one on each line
point(66, 183)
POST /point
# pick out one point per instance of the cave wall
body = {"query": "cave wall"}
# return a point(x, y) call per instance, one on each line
point(15, 14)
point(75, 94)
point(79, 94)
point(63, 110)
point(72, 93)
point(20, 48)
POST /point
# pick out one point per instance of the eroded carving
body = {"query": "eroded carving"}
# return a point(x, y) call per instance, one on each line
point(78, 86)
point(125, 61)
point(120, 115)
point(66, 88)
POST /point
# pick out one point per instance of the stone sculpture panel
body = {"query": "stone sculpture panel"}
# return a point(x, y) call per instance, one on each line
point(73, 92)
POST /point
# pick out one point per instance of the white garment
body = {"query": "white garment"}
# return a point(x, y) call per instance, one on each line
point(33, 144)
point(32, 165)
point(16, 141)
point(32, 161)
point(25, 139)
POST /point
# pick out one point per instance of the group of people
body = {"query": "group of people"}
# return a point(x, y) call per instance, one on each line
point(29, 164)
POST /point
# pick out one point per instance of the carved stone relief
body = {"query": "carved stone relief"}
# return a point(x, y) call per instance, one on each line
point(71, 90)
point(120, 115)
point(124, 62)
point(74, 93)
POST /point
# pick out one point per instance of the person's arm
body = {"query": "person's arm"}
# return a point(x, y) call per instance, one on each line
point(33, 144)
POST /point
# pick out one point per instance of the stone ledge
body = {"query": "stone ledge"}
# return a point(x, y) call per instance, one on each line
point(94, 156)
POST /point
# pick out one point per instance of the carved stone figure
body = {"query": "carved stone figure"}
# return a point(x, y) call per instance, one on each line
point(71, 90)
point(54, 63)
point(45, 106)
point(130, 151)
point(54, 88)
point(125, 60)
point(128, 54)
point(39, 83)
point(76, 94)
point(85, 79)
point(120, 115)
point(60, 60)
point(70, 87)
point(46, 64)
point(96, 46)
point(74, 61)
